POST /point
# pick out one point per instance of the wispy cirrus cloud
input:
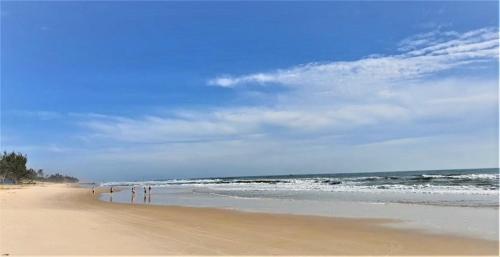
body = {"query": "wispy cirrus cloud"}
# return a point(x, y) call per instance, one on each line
point(422, 55)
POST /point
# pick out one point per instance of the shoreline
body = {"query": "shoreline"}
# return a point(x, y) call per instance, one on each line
point(62, 220)
point(471, 222)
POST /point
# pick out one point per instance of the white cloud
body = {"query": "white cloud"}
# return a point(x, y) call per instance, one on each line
point(404, 107)
point(336, 97)
point(433, 55)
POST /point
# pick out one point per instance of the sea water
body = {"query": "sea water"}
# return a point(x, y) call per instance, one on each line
point(458, 202)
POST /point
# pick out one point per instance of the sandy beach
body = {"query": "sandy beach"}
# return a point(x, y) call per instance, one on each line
point(65, 219)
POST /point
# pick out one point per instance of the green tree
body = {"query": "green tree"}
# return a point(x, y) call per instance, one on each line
point(39, 173)
point(13, 166)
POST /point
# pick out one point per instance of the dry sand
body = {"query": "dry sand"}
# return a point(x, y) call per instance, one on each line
point(67, 220)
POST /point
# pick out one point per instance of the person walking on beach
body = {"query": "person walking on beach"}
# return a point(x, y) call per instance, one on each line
point(149, 189)
point(132, 199)
point(93, 190)
point(111, 194)
point(144, 191)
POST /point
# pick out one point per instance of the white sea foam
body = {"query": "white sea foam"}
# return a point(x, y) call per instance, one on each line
point(465, 176)
point(304, 186)
point(349, 184)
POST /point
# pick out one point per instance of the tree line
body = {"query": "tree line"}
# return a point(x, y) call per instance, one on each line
point(13, 168)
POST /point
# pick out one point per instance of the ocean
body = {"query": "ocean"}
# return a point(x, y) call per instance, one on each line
point(465, 187)
point(457, 202)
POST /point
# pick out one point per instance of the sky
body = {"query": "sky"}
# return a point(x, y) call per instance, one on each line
point(155, 90)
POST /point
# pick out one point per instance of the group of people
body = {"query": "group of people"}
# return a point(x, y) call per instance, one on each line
point(147, 193)
point(133, 190)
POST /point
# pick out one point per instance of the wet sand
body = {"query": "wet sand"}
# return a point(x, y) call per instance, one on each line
point(68, 220)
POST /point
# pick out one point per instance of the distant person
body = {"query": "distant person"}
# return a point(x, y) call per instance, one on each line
point(132, 199)
point(149, 194)
point(111, 190)
point(93, 190)
point(144, 191)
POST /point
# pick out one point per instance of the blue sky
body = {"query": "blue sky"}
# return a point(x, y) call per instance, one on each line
point(136, 90)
